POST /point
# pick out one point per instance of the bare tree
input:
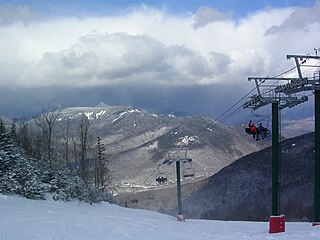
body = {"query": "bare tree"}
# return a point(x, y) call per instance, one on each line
point(66, 141)
point(24, 137)
point(46, 121)
point(75, 151)
point(37, 144)
point(83, 145)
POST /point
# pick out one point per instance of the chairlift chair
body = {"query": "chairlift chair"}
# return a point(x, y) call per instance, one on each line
point(188, 170)
point(161, 178)
point(257, 118)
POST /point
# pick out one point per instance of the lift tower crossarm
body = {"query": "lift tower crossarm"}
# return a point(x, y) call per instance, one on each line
point(301, 57)
point(261, 79)
point(257, 80)
point(257, 101)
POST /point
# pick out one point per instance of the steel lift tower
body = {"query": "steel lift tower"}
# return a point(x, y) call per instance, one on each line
point(178, 155)
point(278, 102)
point(312, 84)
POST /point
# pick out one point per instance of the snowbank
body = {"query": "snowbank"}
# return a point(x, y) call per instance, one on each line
point(39, 220)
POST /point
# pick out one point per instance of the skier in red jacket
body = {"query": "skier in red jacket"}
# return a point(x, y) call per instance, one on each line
point(253, 129)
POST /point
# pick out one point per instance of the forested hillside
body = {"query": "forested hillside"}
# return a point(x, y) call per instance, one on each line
point(24, 175)
point(242, 190)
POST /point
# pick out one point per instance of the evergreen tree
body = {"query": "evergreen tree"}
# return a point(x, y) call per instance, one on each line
point(23, 175)
point(101, 171)
point(2, 127)
point(13, 132)
point(17, 171)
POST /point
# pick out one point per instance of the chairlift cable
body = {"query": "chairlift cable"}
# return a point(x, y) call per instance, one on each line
point(248, 94)
point(296, 75)
point(278, 75)
point(285, 72)
point(216, 121)
point(151, 174)
point(232, 114)
point(310, 67)
point(235, 104)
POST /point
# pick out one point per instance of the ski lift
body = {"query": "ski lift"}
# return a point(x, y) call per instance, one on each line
point(188, 170)
point(161, 177)
point(259, 130)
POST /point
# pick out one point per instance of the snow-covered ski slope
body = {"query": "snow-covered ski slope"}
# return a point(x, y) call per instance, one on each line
point(23, 219)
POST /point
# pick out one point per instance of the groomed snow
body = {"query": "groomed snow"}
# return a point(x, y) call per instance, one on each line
point(23, 219)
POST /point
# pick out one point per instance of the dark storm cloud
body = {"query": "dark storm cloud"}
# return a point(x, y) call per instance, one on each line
point(145, 58)
point(194, 100)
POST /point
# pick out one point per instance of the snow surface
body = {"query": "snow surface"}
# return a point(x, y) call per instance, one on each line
point(89, 114)
point(23, 219)
point(100, 113)
point(186, 140)
point(125, 112)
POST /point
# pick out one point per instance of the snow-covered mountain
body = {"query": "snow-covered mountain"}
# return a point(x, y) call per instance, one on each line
point(293, 128)
point(37, 220)
point(139, 141)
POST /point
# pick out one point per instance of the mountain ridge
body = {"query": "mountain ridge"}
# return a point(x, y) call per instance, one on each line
point(140, 140)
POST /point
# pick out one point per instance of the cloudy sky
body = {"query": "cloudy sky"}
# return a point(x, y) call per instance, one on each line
point(194, 56)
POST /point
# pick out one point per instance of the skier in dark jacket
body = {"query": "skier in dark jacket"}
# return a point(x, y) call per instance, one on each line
point(262, 131)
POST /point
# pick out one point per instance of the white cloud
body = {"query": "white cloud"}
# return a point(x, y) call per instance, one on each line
point(150, 46)
point(120, 58)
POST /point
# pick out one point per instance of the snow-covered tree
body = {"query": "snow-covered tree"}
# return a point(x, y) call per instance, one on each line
point(101, 170)
point(17, 171)
point(31, 178)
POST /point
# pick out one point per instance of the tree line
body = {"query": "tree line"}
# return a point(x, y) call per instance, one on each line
point(76, 153)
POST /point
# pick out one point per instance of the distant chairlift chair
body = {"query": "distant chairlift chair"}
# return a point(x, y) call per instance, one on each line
point(161, 177)
point(188, 170)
